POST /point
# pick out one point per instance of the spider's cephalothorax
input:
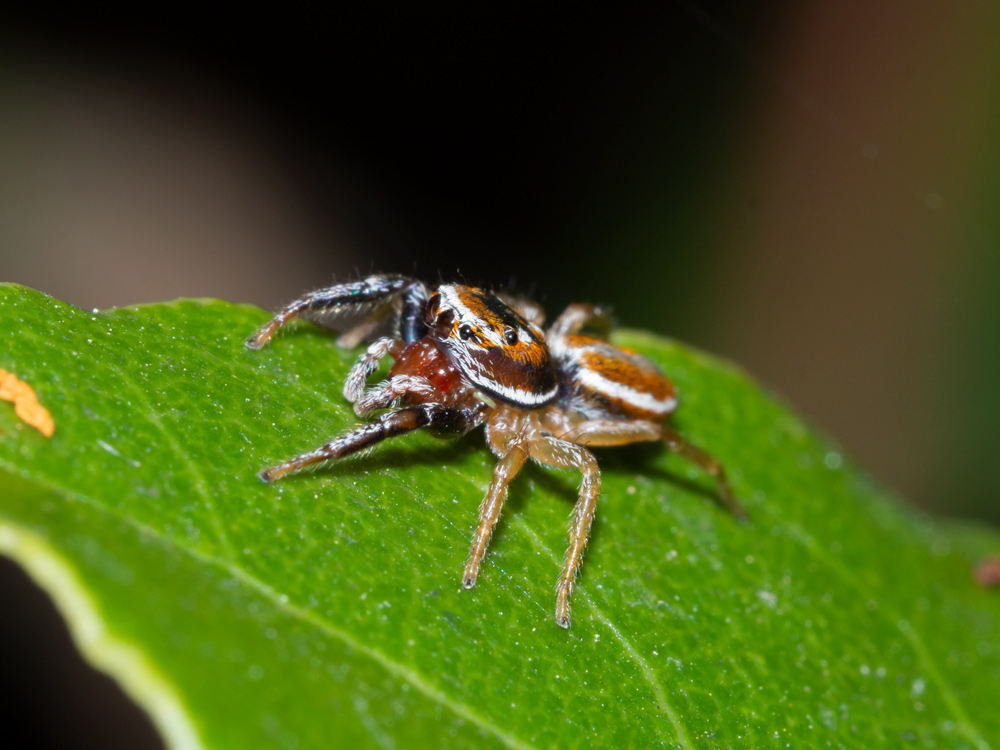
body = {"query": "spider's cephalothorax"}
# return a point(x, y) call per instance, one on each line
point(498, 351)
point(466, 357)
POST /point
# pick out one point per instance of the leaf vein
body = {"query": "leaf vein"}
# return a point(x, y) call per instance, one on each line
point(962, 720)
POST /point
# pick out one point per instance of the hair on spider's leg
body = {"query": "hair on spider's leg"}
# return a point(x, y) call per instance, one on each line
point(489, 511)
point(563, 454)
point(331, 301)
point(708, 463)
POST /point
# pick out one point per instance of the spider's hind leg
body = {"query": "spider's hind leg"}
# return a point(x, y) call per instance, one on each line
point(708, 463)
point(367, 298)
point(598, 432)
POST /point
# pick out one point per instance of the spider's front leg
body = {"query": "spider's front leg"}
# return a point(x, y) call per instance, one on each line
point(367, 298)
point(489, 511)
point(566, 455)
point(437, 417)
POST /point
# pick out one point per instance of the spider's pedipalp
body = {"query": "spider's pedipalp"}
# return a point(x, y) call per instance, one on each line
point(367, 363)
point(382, 395)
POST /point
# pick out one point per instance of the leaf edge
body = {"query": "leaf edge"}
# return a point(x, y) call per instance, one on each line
point(94, 638)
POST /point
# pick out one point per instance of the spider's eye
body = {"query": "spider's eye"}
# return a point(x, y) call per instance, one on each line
point(465, 332)
point(510, 336)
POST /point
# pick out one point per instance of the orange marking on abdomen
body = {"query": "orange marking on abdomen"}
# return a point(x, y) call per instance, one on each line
point(616, 381)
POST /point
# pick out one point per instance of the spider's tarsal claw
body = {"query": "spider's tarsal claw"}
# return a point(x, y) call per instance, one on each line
point(271, 473)
point(734, 507)
point(470, 574)
point(563, 618)
point(261, 336)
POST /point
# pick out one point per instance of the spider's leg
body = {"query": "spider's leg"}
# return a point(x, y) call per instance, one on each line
point(367, 363)
point(707, 462)
point(323, 305)
point(563, 454)
point(611, 432)
point(604, 433)
point(442, 419)
point(382, 395)
point(526, 308)
point(489, 512)
point(365, 330)
point(578, 316)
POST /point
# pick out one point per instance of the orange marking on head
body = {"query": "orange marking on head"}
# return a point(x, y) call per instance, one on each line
point(495, 347)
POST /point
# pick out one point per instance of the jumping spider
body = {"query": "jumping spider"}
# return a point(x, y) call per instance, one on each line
point(465, 357)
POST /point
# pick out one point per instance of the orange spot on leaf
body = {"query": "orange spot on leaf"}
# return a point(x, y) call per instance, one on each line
point(25, 402)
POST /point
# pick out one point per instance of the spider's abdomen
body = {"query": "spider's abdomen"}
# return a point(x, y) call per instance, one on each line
point(602, 381)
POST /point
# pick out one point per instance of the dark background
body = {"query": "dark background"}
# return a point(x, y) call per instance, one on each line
point(806, 188)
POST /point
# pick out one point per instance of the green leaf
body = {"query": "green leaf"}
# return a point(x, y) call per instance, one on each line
point(325, 610)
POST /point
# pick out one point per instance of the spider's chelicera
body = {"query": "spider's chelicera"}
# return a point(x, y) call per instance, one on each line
point(466, 357)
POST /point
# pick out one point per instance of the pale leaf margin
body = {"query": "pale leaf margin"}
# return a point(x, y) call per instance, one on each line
point(95, 640)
